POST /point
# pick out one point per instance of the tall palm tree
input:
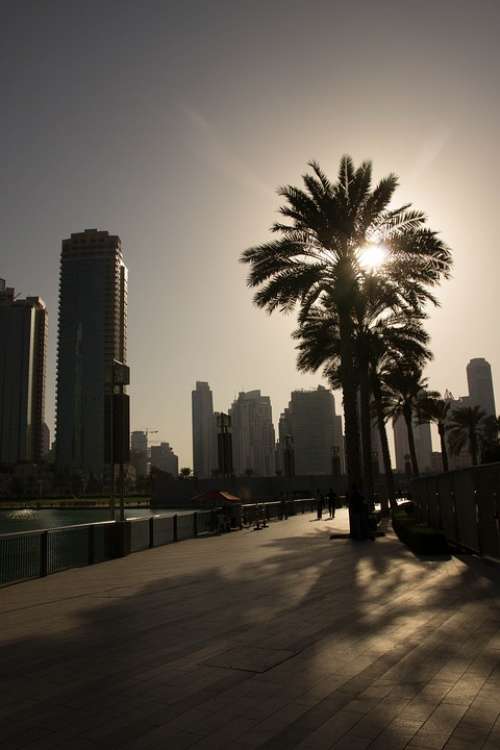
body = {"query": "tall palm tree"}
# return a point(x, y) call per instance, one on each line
point(318, 258)
point(466, 428)
point(403, 337)
point(379, 334)
point(436, 410)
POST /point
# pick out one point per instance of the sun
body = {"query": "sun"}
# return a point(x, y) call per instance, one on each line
point(372, 257)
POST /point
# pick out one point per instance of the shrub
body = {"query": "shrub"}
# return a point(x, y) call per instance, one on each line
point(420, 538)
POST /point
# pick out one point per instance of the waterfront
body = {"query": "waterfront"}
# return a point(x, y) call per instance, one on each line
point(28, 519)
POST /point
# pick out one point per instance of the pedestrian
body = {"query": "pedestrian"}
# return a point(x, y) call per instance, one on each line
point(332, 502)
point(319, 504)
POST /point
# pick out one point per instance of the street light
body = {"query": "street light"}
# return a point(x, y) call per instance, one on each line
point(119, 429)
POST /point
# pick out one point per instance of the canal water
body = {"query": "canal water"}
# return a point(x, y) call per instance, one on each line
point(27, 519)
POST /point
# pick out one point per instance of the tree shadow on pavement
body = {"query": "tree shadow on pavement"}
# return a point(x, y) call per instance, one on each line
point(253, 641)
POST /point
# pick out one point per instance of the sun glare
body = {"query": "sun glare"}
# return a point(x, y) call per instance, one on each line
point(372, 257)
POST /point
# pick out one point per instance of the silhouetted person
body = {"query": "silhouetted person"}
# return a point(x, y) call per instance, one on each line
point(332, 502)
point(319, 506)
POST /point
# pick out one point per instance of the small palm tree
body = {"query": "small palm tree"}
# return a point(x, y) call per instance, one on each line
point(466, 428)
point(436, 410)
point(406, 389)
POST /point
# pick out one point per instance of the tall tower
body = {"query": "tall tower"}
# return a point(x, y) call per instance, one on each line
point(204, 431)
point(311, 423)
point(481, 385)
point(423, 446)
point(253, 435)
point(92, 333)
point(23, 354)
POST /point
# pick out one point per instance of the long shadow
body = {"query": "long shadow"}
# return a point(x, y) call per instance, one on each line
point(304, 625)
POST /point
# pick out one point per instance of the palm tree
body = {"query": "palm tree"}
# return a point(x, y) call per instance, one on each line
point(466, 428)
point(436, 410)
point(378, 336)
point(491, 445)
point(317, 259)
point(406, 389)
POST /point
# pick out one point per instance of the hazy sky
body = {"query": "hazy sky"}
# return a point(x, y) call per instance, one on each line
point(172, 123)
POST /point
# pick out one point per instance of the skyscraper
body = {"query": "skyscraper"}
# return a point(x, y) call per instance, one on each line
point(253, 435)
point(92, 333)
point(204, 431)
point(23, 353)
point(315, 431)
point(139, 452)
point(164, 458)
point(423, 446)
point(481, 385)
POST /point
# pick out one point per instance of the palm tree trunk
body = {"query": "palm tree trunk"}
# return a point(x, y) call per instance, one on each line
point(366, 429)
point(408, 416)
point(444, 449)
point(384, 443)
point(348, 379)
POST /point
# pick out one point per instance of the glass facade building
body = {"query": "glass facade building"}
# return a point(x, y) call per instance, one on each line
point(92, 333)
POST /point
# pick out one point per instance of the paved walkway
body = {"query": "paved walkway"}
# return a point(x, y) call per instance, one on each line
point(273, 639)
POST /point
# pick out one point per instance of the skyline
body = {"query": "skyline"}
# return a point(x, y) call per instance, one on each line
point(176, 151)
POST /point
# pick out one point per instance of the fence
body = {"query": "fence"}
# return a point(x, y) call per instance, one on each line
point(32, 554)
point(465, 504)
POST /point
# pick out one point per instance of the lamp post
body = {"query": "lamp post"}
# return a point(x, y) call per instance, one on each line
point(120, 377)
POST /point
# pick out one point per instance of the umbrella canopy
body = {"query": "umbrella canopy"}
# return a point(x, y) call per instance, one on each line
point(215, 498)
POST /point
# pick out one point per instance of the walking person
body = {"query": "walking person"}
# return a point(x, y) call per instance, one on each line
point(332, 503)
point(319, 506)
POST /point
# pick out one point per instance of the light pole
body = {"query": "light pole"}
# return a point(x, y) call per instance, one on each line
point(119, 432)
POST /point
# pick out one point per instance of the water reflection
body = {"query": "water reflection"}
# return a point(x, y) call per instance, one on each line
point(29, 519)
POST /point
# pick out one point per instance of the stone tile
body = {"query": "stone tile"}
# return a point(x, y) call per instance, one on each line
point(250, 659)
point(342, 643)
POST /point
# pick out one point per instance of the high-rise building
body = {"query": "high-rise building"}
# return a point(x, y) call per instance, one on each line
point(253, 435)
point(139, 452)
point(164, 458)
point(461, 459)
point(310, 427)
point(92, 334)
point(423, 446)
point(205, 460)
point(23, 354)
point(481, 385)
point(224, 445)
point(45, 441)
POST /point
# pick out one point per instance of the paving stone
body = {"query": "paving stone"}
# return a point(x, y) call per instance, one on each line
point(279, 640)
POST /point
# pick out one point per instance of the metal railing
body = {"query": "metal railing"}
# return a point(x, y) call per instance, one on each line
point(465, 505)
point(34, 554)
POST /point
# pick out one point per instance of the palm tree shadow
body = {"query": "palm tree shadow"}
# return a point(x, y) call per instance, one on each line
point(134, 656)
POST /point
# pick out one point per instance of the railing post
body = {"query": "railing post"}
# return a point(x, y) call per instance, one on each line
point(152, 532)
point(91, 540)
point(44, 553)
point(195, 524)
point(124, 534)
point(175, 528)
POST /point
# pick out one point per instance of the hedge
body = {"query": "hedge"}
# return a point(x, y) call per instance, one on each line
point(420, 538)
